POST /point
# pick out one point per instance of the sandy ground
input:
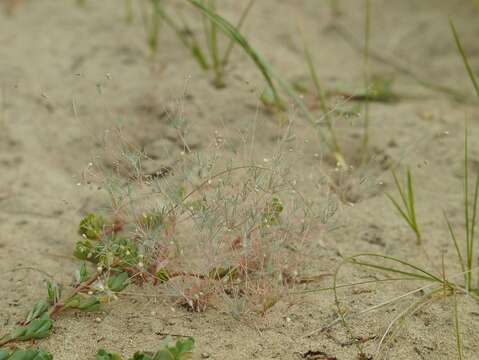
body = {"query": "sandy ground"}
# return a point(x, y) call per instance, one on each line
point(68, 74)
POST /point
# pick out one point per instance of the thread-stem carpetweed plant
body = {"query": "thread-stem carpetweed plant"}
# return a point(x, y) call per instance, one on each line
point(208, 234)
point(407, 210)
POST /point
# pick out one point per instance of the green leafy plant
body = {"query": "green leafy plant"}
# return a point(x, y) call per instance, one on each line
point(407, 210)
point(27, 354)
point(37, 325)
point(180, 350)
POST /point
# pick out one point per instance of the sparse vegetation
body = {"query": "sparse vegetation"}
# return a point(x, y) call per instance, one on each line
point(438, 286)
point(211, 220)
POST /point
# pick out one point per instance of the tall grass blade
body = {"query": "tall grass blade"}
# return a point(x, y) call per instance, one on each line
point(457, 329)
point(230, 31)
point(466, 210)
point(129, 11)
point(423, 274)
point(212, 36)
point(265, 68)
point(188, 38)
point(153, 32)
point(367, 35)
point(460, 48)
point(456, 246)
point(335, 8)
point(408, 213)
point(239, 25)
point(320, 94)
point(412, 206)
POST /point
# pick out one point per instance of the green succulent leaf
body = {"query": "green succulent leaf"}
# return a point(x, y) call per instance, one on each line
point(272, 212)
point(105, 355)
point(91, 226)
point(36, 329)
point(220, 272)
point(140, 356)
point(91, 303)
point(38, 310)
point(54, 292)
point(28, 354)
point(85, 250)
point(152, 220)
point(81, 274)
point(118, 282)
point(163, 275)
point(182, 350)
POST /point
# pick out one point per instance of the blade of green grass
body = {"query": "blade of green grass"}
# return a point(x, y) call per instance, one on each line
point(407, 197)
point(239, 25)
point(400, 210)
point(367, 35)
point(412, 206)
point(456, 245)
point(154, 27)
point(188, 38)
point(213, 46)
point(265, 68)
point(457, 329)
point(320, 93)
point(129, 11)
point(230, 31)
point(466, 210)
point(426, 275)
point(464, 57)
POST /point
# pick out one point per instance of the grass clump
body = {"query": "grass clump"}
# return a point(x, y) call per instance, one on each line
point(209, 56)
point(438, 286)
point(407, 210)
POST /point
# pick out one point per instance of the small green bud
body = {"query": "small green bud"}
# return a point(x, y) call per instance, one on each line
point(91, 226)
